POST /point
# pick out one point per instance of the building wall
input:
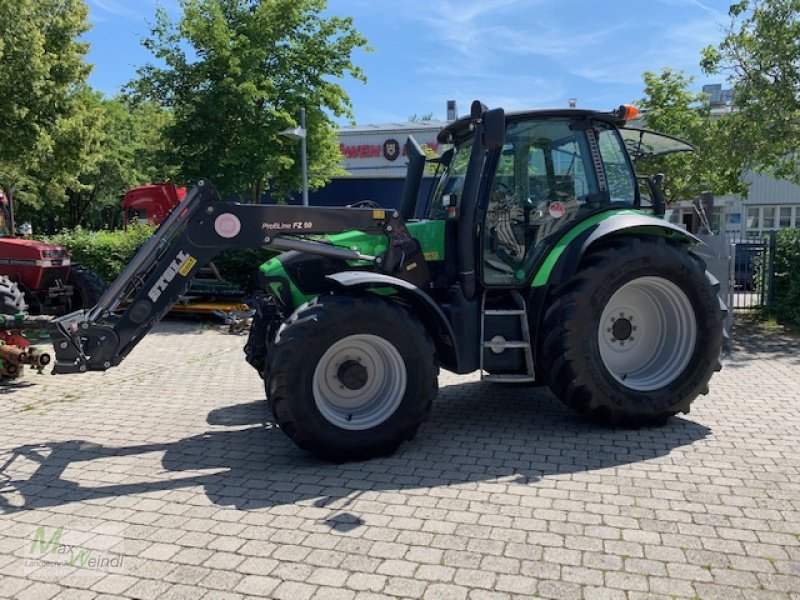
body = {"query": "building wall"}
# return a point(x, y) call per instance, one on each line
point(378, 151)
point(771, 204)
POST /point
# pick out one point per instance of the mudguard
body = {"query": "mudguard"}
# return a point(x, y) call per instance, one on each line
point(432, 316)
point(633, 224)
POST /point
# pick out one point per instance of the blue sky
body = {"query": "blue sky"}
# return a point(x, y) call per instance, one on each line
point(510, 53)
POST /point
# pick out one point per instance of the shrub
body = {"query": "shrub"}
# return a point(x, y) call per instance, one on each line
point(104, 252)
point(786, 302)
point(240, 266)
point(107, 253)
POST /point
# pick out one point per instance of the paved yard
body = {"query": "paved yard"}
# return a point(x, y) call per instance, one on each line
point(165, 479)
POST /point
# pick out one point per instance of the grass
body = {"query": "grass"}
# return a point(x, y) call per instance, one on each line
point(768, 324)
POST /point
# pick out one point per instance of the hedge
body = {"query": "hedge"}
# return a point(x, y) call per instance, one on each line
point(107, 253)
point(104, 252)
point(786, 299)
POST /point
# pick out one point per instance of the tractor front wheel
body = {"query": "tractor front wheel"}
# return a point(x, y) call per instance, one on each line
point(350, 378)
point(12, 300)
point(635, 335)
point(87, 286)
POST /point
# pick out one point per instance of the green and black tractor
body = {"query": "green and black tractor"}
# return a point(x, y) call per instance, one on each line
point(543, 257)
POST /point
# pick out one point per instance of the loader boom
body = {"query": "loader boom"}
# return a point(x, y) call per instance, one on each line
point(198, 229)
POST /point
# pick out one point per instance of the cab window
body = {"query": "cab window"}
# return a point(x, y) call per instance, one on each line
point(543, 180)
point(619, 175)
point(452, 182)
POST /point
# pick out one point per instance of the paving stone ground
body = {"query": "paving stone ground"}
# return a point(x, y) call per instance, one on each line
point(164, 478)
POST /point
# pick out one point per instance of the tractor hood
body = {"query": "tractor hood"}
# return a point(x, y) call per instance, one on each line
point(32, 249)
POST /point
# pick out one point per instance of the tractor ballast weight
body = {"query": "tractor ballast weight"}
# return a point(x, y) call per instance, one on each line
point(536, 262)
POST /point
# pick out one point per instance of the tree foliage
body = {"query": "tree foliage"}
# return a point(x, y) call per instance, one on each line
point(760, 53)
point(235, 73)
point(104, 148)
point(41, 62)
point(670, 107)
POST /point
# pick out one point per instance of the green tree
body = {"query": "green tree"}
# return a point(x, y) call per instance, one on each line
point(670, 107)
point(104, 148)
point(41, 63)
point(760, 54)
point(235, 74)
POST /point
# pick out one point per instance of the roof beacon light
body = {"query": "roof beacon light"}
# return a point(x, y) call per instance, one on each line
point(628, 112)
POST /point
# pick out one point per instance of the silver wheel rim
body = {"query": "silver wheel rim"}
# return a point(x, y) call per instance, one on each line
point(647, 333)
point(355, 405)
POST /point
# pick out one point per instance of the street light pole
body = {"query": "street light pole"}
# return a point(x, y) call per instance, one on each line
point(304, 159)
point(299, 133)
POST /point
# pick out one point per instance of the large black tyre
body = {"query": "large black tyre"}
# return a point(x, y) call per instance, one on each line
point(12, 300)
point(635, 335)
point(349, 378)
point(88, 288)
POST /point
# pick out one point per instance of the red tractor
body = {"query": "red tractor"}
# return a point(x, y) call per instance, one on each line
point(43, 272)
point(151, 203)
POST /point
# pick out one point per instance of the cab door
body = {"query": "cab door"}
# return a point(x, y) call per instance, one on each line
point(543, 180)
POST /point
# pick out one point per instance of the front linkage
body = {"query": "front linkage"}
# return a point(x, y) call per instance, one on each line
point(199, 228)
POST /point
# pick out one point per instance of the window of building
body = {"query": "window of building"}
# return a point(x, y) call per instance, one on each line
point(753, 218)
point(761, 219)
point(768, 217)
point(786, 217)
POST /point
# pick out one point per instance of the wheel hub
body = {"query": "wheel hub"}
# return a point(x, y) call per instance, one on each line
point(622, 328)
point(352, 374)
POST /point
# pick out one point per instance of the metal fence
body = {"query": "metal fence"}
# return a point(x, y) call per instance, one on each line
point(753, 272)
point(745, 268)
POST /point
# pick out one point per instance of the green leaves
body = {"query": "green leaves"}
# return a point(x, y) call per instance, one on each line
point(786, 305)
point(42, 60)
point(235, 74)
point(718, 162)
point(760, 55)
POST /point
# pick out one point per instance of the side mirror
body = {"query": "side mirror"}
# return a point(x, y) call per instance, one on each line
point(494, 128)
point(447, 157)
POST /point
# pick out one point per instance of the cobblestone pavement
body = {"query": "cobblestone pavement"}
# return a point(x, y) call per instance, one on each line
point(164, 479)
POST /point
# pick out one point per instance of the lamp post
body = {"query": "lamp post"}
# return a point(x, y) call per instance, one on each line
point(299, 133)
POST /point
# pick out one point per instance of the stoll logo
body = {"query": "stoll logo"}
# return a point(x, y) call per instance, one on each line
point(49, 550)
point(182, 264)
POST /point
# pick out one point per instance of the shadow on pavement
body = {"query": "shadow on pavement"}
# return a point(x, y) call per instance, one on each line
point(477, 432)
point(752, 341)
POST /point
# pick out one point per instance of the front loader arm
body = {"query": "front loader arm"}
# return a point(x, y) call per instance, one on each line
point(197, 230)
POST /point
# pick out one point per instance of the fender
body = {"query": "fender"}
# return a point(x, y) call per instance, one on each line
point(571, 248)
point(435, 320)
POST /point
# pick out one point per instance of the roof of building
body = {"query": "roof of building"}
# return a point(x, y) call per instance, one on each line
point(404, 126)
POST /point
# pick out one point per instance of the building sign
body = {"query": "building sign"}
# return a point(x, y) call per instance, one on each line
point(391, 150)
point(381, 152)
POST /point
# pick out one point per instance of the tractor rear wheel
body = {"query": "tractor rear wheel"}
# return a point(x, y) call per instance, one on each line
point(350, 378)
point(635, 335)
point(12, 300)
point(88, 287)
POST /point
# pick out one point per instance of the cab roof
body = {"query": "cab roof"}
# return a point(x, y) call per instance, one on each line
point(460, 129)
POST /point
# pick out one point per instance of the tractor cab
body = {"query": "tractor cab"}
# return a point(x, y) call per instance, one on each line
point(547, 170)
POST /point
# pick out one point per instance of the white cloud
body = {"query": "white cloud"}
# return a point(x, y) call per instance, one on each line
point(140, 10)
point(118, 9)
point(677, 46)
point(697, 4)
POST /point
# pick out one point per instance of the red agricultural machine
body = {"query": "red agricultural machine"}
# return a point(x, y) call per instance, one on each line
point(16, 350)
point(49, 282)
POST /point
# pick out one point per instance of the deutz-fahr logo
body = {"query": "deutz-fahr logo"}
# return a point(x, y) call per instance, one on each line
point(182, 264)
